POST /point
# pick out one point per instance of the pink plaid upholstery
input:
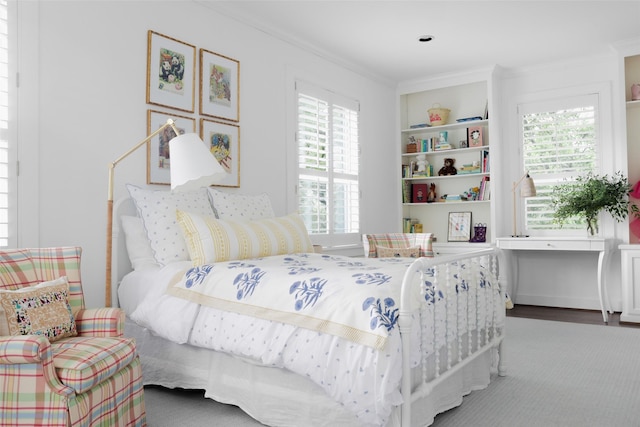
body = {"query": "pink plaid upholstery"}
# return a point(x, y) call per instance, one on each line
point(398, 241)
point(94, 379)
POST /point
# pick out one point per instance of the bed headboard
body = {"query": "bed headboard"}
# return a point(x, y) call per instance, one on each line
point(120, 264)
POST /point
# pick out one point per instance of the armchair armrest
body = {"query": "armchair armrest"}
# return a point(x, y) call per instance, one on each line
point(30, 356)
point(100, 322)
point(24, 349)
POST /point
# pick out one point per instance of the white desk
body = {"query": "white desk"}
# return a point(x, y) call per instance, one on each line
point(593, 244)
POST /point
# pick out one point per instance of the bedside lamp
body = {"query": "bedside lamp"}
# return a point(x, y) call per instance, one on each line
point(192, 167)
point(528, 190)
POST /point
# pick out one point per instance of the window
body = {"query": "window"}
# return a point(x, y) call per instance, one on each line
point(328, 157)
point(4, 126)
point(560, 143)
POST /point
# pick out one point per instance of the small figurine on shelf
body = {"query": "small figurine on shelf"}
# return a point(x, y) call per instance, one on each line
point(431, 197)
point(448, 168)
point(421, 161)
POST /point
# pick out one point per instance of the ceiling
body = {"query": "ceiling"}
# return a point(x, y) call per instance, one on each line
point(380, 38)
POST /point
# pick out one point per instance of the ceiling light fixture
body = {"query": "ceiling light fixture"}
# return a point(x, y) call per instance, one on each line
point(425, 39)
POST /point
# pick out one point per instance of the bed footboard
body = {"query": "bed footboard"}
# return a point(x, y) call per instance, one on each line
point(461, 314)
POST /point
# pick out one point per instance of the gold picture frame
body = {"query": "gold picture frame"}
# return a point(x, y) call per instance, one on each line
point(223, 139)
point(158, 155)
point(219, 86)
point(171, 72)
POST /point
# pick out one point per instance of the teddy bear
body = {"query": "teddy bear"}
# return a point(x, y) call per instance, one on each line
point(448, 168)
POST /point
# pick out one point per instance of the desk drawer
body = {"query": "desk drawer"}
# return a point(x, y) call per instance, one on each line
point(552, 245)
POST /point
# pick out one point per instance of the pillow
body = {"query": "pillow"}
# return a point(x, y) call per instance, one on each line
point(240, 206)
point(210, 240)
point(17, 269)
point(42, 309)
point(412, 252)
point(398, 241)
point(158, 212)
point(138, 247)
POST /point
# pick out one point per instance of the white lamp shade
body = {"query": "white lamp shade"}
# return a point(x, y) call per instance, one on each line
point(192, 164)
point(528, 188)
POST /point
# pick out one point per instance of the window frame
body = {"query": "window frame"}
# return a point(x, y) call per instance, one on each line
point(606, 161)
point(330, 239)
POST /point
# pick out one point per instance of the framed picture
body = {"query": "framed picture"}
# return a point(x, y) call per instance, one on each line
point(171, 72)
point(223, 139)
point(459, 227)
point(219, 86)
point(420, 193)
point(474, 136)
point(158, 155)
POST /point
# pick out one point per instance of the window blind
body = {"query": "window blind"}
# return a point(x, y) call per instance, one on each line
point(560, 143)
point(328, 161)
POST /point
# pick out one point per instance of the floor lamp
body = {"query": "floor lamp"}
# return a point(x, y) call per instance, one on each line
point(528, 190)
point(192, 166)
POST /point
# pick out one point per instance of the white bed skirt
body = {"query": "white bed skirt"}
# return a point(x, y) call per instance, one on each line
point(278, 397)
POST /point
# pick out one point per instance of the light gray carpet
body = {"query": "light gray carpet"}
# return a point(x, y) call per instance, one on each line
point(560, 374)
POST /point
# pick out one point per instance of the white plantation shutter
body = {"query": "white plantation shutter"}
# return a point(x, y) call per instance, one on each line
point(560, 143)
point(328, 160)
point(4, 126)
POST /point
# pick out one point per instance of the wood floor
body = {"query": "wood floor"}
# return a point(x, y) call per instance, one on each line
point(567, 315)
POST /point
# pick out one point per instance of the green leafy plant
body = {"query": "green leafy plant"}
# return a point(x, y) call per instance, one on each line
point(588, 195)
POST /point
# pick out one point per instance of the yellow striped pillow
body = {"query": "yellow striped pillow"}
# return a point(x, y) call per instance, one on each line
point(211, 240)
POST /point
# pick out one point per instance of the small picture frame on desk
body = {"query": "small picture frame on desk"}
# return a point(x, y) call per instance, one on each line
point(474, 136)
point(459, 227)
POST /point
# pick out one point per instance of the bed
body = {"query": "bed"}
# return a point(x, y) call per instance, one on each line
point(434, 326)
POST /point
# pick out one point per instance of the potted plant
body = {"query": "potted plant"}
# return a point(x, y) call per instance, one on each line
point(590, 194)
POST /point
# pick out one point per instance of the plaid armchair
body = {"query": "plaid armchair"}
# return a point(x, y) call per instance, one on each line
point(91, 377)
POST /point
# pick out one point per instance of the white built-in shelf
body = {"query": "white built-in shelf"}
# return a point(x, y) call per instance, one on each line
point(458, 176)
point(449, 151)
point(456, 125)
point(458, 202)
point(633, 104)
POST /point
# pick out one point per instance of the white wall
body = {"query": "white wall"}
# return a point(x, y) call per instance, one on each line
point(88, 101)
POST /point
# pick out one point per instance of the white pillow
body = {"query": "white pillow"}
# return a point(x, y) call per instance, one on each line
point(240, 206)
point(210, 240)
point(137, 243)
point(158, 212)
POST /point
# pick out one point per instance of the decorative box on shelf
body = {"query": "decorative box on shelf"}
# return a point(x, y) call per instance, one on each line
point(412, 147)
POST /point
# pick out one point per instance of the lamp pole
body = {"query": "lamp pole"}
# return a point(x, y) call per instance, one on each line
point(112, 166)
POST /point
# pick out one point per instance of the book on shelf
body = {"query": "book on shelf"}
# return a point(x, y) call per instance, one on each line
point(485, 189)
point(408, 224)
point(406, 191)
point(420, 193)
point(484, 161)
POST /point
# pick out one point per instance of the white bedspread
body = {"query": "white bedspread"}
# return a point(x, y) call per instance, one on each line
point(356, 299)
point(364, 379)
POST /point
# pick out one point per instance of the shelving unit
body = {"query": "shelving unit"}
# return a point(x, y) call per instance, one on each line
point(467, 98)
point(630, 253)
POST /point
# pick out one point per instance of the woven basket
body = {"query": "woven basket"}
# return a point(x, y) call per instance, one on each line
point(438, 116)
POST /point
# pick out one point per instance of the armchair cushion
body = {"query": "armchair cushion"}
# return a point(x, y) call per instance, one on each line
point(38, 310)
point(83, 362)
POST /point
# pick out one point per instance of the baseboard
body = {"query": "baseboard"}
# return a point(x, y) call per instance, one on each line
point(546, 301)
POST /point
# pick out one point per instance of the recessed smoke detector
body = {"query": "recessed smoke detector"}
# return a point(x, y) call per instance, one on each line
point(425, 39)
